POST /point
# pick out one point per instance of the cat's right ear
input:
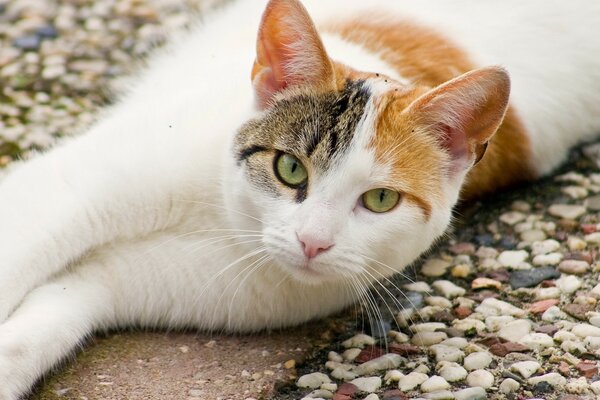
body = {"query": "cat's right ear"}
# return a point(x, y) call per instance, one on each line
point(289, 52)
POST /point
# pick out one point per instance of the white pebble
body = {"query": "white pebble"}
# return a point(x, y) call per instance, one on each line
point(333, 356)
point(458, 342)
point(343, 374)
point(313, 381)
point(553, 378)
point(438, 301)
point(553, 314)
point(321, 394)
point(448, 289)
point(399, 337)
point(491, 307)
point(372, 396)
point(411, 381)
point(547, 293)
point(434, 384)
point(583, 330)
point(447, 353)
point(452, 372)
point(420, 286)
point(472, 393)
point(567, 211)
point(428, 338)
point(592, 343)
point(544, 247)
point(509, 386)
point(512, 217)
point(351, 354)
point(468, 324)
point(332, 387)
point(440, 395)
point(568, 283)
point(361, 340)
point(512, 258)
point(427, 327)
point(494, 323)
point(595, 386)
point(578, 386)
point(593, 238)
point(477, 360)
point(547, 259)
point(385, 362)
point(369, 385)
point(537, 341)
point(575, 244)
point(525, 368)
point(480, 378)
point(392, 376)
point(435, 267)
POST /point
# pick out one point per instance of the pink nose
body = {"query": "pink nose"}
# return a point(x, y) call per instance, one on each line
point(314, 246)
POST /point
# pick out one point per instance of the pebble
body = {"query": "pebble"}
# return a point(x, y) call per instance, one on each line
point(360, 340)
point(427, 327)
point(525, 368)
point(428, 338)
point(492, 307)
point(478, 360)
point(313, 381)
point(372, 396)
point(422, 287)
point(593, 238)
point(541, 306)
point(392, 376)
point(547, 259)
point(512, 217)
point(575, 267)
point(532, 235)
point(577, 310)
point(473, 393)
point(584, 330)
point(537, 341)
point(595, 386)
point(385, 362)
point(508, 386)
point(321, 394)
point(568, 283)
point(343, 374)
point(566, 211)
point(532, 277)
point(552, 378)
point(351, 354)
point(27, 43)
point(435, 267)
point(515, 330)
point(553, 314)
point(547, 293)
point(447, 353)
point(461, 270)
point(494, 323)
point(369, 385)
point(544, 247)
point(512, 258)
point(480, 378)
point(411, 381)
point(434, 384)
point(452, 372)
point(482, 283)
point(439, 395)
point(448, 289)
point(576, 244)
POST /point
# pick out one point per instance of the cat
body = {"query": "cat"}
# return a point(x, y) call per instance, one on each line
point(204, 199)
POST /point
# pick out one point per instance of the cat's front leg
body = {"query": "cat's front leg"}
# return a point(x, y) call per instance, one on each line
point(86, 193)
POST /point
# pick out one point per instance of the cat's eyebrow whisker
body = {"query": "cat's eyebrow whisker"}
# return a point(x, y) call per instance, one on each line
point(223, 208)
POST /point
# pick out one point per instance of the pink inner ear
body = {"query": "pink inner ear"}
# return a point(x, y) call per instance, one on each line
point(288, 51)
point(454, 141)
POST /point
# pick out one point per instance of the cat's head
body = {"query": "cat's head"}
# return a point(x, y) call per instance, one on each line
point(352, 173)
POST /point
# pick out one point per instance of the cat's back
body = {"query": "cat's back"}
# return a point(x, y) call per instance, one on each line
point(550, 49)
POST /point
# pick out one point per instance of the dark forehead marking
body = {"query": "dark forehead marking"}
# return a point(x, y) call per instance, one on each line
point(311, 125)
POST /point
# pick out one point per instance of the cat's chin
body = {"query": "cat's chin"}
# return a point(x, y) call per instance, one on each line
point(311, 274)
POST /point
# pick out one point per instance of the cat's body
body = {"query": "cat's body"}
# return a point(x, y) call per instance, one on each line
point(152, 217)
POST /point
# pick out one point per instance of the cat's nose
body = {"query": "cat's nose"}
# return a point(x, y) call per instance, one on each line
point(313, 246)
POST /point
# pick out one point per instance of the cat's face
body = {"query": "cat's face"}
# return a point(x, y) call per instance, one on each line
point(352, 174)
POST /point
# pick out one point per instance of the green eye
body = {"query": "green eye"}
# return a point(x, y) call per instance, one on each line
point(380, 200)
point(290, 170)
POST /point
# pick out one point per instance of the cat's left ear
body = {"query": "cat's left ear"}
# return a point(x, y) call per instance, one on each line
point(289, 52)
point(464, 113)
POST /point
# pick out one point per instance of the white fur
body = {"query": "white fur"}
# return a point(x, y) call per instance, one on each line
point(146, 219)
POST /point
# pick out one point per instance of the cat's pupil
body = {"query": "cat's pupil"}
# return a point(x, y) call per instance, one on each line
point(381, 196)
point(294, 166)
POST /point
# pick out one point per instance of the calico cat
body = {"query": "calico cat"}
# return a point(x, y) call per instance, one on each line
point(206, 200)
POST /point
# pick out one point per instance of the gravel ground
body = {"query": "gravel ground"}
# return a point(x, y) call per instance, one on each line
point(504, 309)
point(507, 308)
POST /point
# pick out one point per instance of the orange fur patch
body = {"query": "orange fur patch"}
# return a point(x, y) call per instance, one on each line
point(428, 59)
